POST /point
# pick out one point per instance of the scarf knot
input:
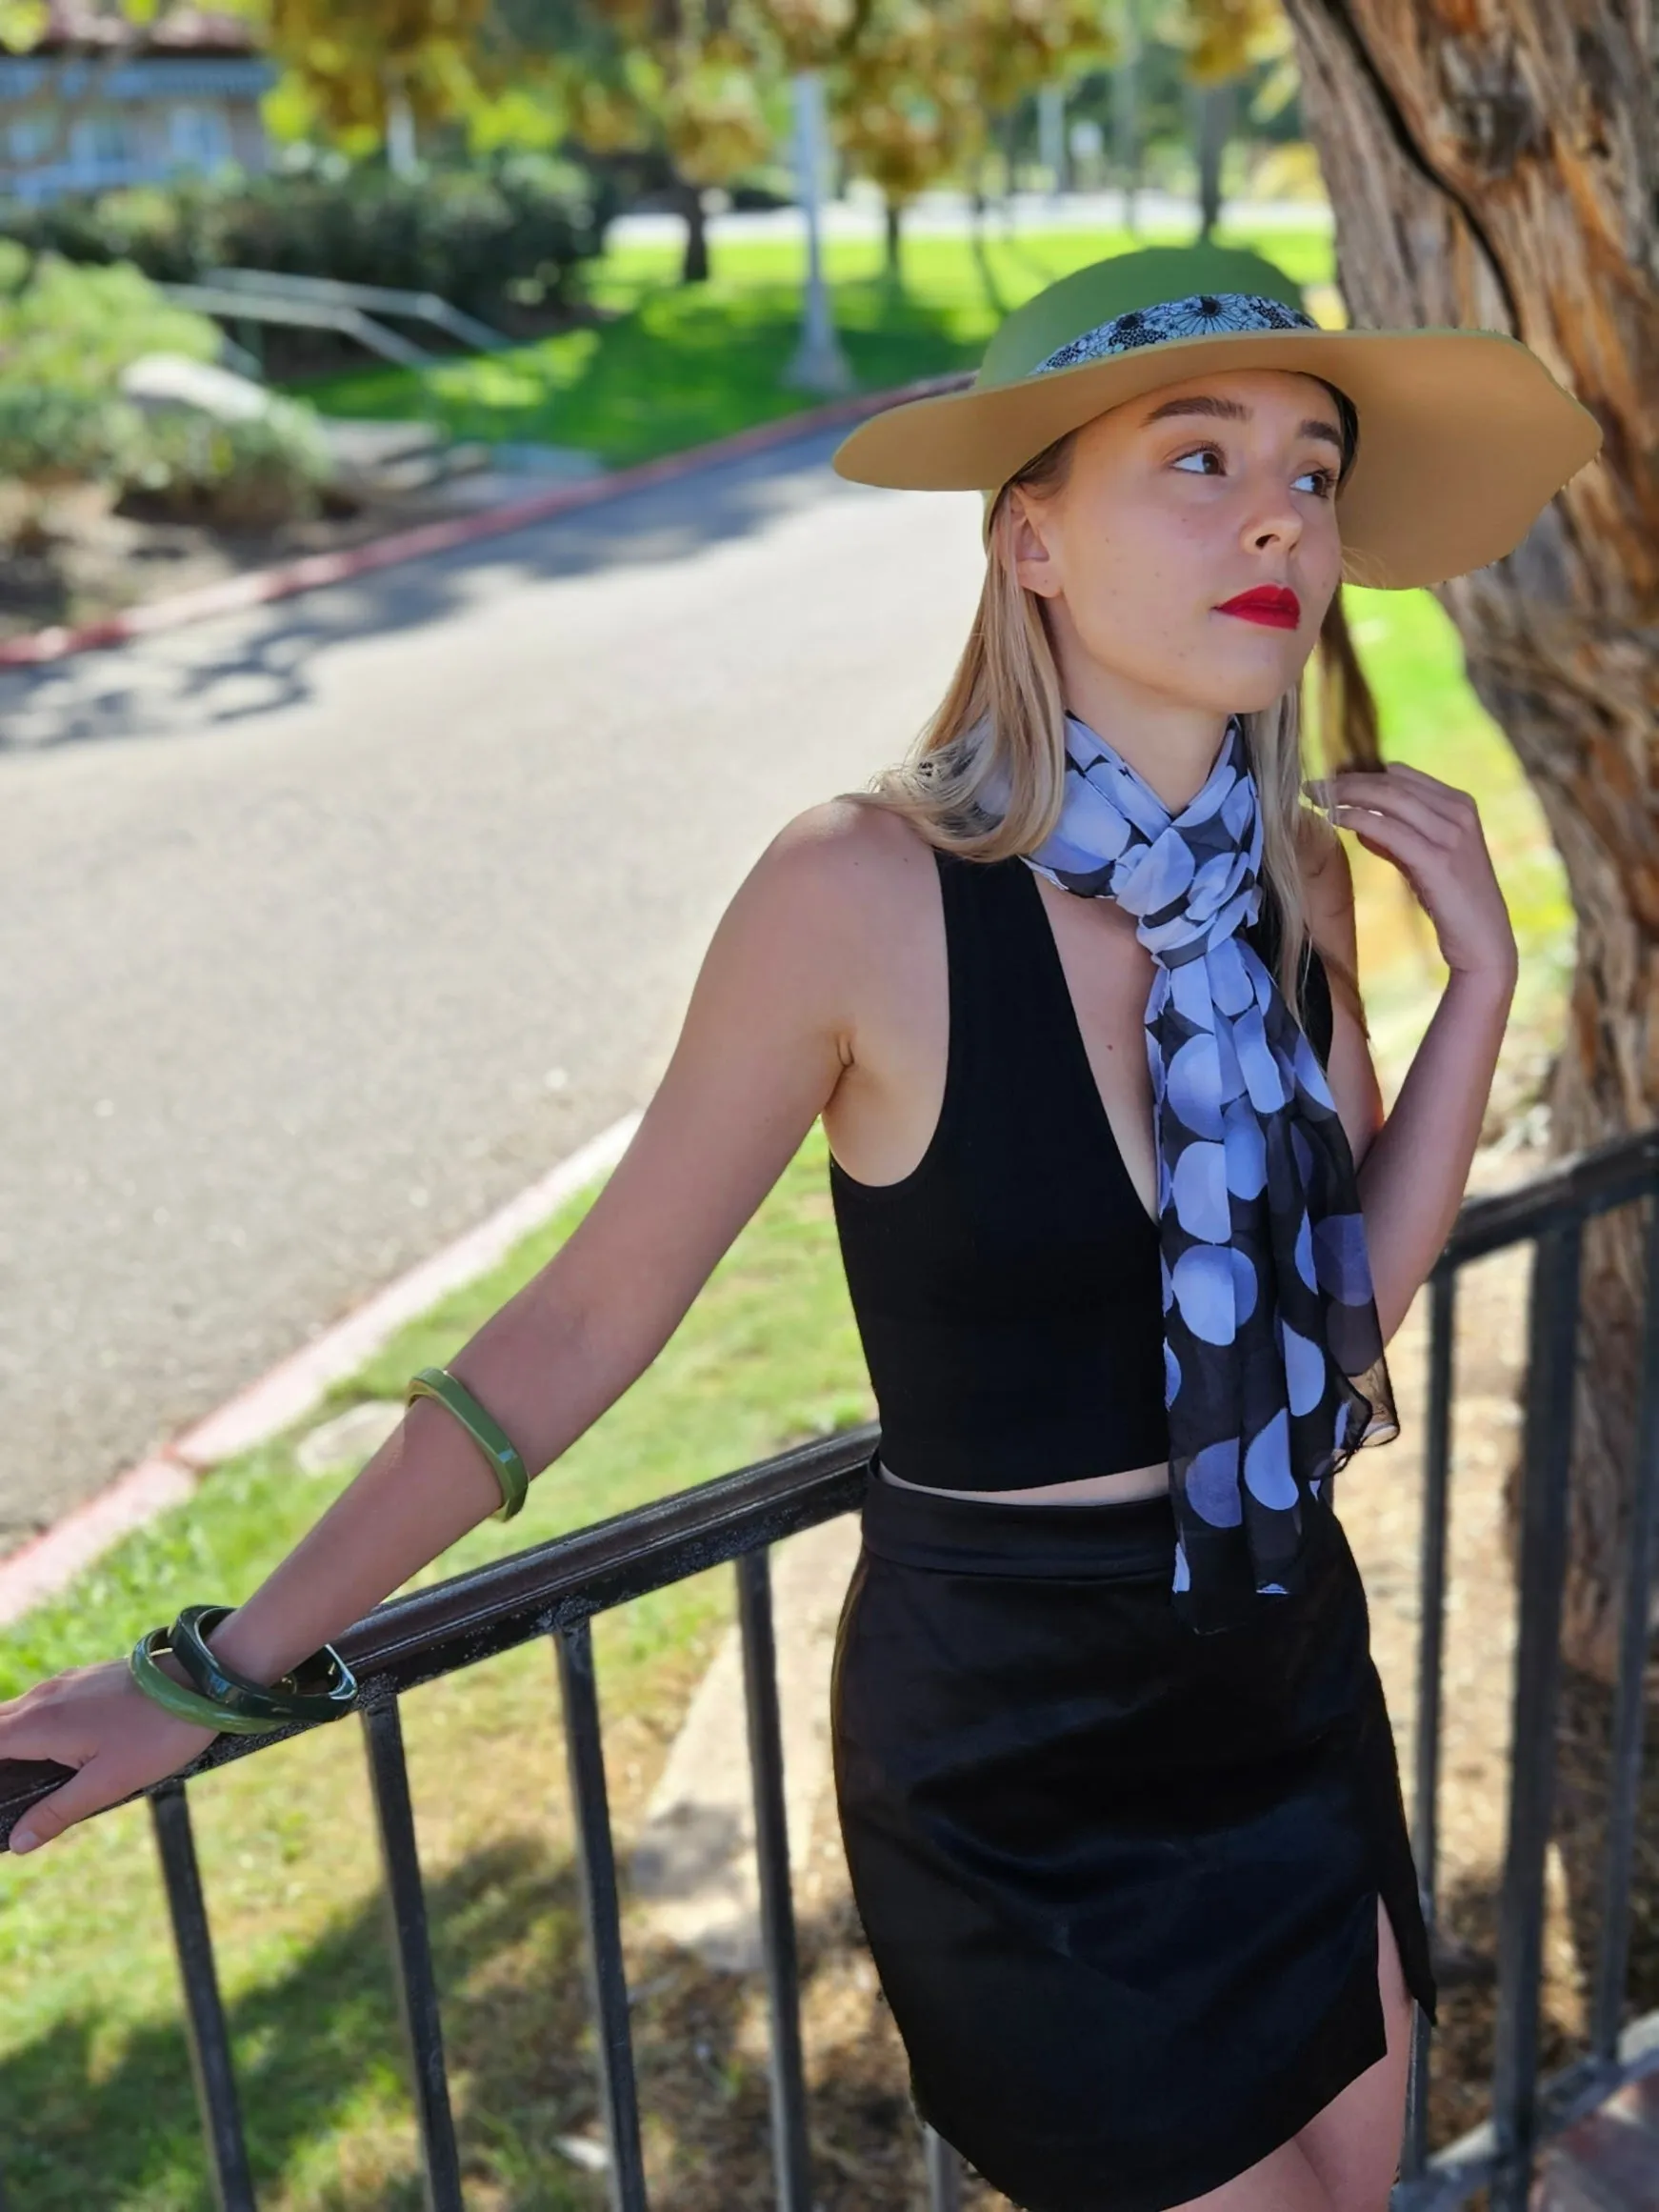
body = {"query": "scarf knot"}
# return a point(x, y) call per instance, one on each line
point(1272, 1352)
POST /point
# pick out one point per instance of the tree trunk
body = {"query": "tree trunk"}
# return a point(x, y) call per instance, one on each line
point(894, 213)
point(694, 267)
point(1215, 106)
point(1496, 168)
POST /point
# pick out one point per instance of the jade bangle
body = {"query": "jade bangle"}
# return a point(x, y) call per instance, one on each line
point(485, 1431)
point(320, 1688)
point(182, 1704)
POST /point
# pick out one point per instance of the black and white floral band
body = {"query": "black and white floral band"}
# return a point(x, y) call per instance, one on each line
point(1202, 314)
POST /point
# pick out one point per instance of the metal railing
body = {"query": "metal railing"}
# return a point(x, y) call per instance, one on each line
point(326, 303)
point(554, 1590)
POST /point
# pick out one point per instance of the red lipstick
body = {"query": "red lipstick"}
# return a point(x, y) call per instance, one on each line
point(1271, 603)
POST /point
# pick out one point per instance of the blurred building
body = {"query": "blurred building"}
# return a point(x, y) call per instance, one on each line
point(102, 101)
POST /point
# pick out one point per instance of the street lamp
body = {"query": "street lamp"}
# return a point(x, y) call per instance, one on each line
point(819, 364)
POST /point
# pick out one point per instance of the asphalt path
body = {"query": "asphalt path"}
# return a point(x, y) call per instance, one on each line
point(326, 926)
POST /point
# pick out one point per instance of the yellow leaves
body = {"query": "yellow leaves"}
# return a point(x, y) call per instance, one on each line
point(22, 22)
point(713, 123)
point(1223, 38)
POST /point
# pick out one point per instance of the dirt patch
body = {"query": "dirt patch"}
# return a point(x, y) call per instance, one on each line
point(91, 562)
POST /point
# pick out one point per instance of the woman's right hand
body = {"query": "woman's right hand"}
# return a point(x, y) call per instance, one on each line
point(99, 1722)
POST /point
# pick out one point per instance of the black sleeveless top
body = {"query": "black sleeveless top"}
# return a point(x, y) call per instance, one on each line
point(1007, 1291)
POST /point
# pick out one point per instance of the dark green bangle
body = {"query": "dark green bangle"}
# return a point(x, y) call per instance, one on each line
point(320, 1688)
point(182, 1704)
point(485, 1431)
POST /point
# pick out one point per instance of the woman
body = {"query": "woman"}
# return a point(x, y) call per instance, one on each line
point(1125, 1233)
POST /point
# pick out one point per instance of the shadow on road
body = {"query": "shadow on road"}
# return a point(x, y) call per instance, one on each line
point(231, 668)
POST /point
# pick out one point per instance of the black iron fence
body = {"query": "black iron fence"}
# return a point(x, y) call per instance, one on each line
point(555, 1589)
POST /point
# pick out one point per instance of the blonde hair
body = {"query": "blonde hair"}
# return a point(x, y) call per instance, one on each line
point(986, 776)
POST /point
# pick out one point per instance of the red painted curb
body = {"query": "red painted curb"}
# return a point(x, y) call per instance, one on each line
point(287, 577)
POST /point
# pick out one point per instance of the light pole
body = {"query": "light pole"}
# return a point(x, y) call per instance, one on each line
point(818, 364)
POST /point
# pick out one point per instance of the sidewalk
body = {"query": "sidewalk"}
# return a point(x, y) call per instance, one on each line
point(948, 214)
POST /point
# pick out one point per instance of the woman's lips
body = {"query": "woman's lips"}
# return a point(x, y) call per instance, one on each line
point(1269, 603)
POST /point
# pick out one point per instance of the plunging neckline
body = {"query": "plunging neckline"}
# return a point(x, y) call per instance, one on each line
point(1077, 1051)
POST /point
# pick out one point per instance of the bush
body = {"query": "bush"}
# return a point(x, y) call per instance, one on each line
point(65, 335)
point(52, 434)
point(237, 475)
point(76, 328)
point(477, 236)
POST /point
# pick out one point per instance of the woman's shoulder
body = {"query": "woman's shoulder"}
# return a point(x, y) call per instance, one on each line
point(850, 852)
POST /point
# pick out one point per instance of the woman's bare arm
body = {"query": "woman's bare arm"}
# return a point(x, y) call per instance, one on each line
point(769, 1030)
point(1413, 1166)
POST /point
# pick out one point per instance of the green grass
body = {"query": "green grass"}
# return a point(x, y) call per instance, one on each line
point(1430, 717)
point(96, 2102)
point(683, 363)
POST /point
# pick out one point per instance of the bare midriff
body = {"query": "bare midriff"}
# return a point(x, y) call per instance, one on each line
point(1119, 1489)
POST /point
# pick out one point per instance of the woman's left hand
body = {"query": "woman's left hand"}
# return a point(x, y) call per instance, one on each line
point(1433, 834)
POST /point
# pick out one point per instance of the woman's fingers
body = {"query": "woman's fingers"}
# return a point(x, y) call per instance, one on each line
point(1384, 795)
point(87, 1792)
point(1402, 841)
point(97, 1722)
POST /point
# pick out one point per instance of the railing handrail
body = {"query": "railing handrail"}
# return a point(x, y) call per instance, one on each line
point(472, 1616)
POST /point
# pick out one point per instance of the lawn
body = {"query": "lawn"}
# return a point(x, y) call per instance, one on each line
point(683, 363)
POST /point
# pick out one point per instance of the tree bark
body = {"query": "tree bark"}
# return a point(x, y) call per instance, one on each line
point(1493, 163)
point(894, 211)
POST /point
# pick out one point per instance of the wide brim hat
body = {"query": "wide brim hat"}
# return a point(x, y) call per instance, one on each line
point(1463, 435)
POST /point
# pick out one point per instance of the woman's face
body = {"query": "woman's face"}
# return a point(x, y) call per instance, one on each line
point(1176, 502)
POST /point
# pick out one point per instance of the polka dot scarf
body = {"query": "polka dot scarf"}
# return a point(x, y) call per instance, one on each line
point(1273, 1354)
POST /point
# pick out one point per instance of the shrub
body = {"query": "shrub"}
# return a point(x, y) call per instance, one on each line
point(77, 328)
point(66, 334)
point(477, 236)
point(237, 475)
point(53, 433)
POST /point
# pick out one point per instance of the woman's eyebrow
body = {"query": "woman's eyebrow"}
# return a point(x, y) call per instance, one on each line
point(1235, 410)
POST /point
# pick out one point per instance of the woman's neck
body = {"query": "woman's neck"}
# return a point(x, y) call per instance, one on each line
point(1172, 746)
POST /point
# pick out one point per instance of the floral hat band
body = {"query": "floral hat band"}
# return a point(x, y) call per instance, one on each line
point(1200, 315)
point(1464, 435)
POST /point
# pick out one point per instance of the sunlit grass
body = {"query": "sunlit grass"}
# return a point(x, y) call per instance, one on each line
point(679, 364)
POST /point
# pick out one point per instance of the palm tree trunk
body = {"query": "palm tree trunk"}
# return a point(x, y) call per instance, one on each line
point(1502, 174)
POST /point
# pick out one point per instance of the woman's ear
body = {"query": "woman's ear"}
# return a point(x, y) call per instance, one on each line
point(1028, 555)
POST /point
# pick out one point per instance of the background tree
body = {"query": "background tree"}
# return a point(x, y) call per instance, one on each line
point(377, 71)
point(688, 86)
point(1498, 169)
point(924, 85)
point(1223, 41)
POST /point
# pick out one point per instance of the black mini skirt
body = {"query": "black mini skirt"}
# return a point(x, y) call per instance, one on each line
point(1118, 1880)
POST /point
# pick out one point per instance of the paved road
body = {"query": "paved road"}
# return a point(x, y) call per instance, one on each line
point(324, 929)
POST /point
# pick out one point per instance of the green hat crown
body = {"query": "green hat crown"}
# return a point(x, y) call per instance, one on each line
point(1142, 299)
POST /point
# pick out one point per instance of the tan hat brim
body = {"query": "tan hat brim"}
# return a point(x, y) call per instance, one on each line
point(1465, 436)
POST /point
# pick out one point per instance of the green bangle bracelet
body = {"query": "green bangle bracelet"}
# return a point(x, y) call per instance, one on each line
point(182, 1704)
point(320, 1688)
point(485, 1431)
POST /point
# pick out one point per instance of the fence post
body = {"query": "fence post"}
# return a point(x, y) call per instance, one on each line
point(205, 2030)
point(1628, 1703)
point(1553, 1348)
point(791, 2162)
point(1431, 1643)
point(412, 1954)
point(596, 1878)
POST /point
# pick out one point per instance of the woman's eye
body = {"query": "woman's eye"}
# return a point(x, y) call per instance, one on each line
point(1324, 490)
